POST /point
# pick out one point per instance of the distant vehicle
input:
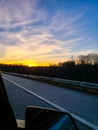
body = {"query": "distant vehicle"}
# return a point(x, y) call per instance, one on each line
point(36, 118)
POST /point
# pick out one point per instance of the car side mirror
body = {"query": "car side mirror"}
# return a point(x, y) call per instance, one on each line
point(38, 118)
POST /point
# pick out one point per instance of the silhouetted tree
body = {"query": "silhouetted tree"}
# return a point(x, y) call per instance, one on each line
point(85, 70)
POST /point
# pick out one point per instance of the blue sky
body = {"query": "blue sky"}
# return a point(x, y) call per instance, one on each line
point(42, 32)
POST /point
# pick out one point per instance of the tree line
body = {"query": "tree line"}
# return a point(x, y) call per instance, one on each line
point(83, 68)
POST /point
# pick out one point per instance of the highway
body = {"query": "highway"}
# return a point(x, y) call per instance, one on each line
point(82, 104)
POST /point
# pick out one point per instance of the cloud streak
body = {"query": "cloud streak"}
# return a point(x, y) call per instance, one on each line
point(19, 13)
point(30, 33)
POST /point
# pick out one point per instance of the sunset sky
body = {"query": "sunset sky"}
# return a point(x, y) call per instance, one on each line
point(44, 32)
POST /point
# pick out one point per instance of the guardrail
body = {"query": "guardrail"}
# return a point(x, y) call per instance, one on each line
point(83, 86)
point(80, 120)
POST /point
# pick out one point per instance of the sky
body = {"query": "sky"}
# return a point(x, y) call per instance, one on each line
point(46, 32)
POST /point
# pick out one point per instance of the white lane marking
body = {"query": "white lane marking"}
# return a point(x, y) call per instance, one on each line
point(77, 118)
point(21, 123)
point(41, 98)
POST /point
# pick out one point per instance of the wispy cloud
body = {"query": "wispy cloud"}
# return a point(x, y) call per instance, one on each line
point(19, 12)
point(29, 32)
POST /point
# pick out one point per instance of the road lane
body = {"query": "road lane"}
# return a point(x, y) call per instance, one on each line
point(20, 99)
point(83, 104)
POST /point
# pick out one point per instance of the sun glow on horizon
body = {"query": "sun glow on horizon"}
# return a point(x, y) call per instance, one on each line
point(30, 65)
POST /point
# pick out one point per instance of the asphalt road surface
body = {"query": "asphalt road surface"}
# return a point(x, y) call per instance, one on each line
point(82, 104)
